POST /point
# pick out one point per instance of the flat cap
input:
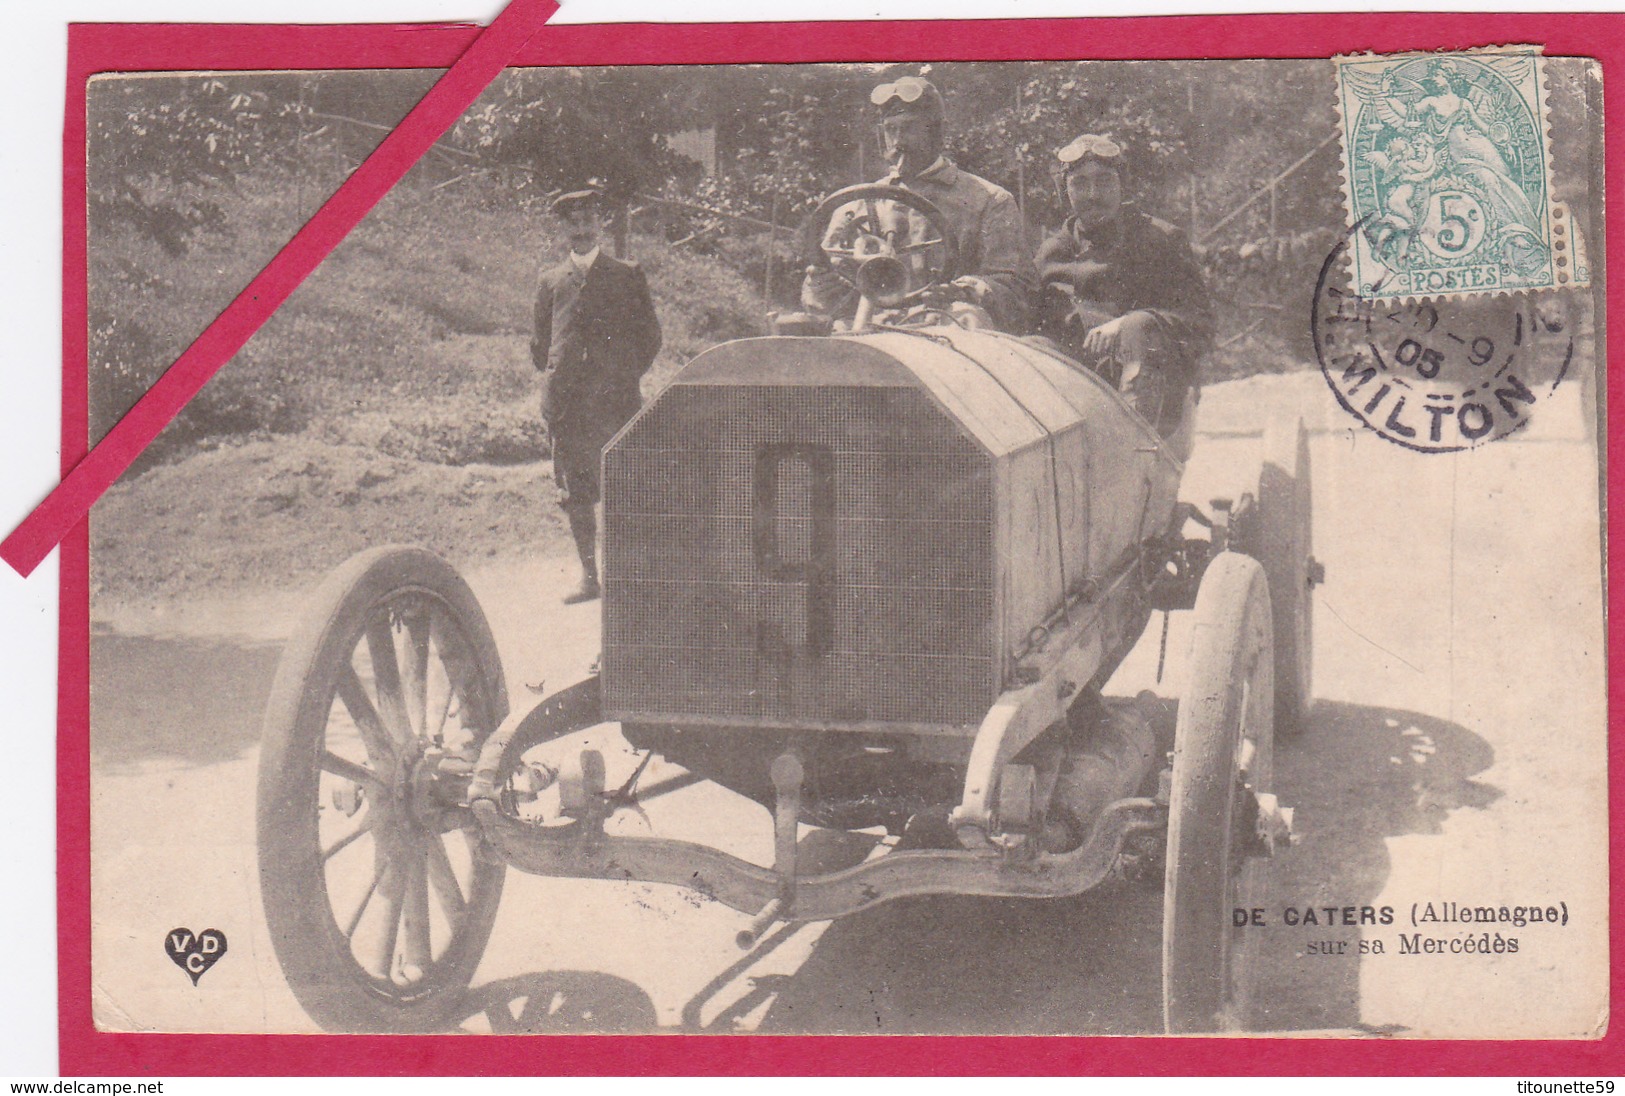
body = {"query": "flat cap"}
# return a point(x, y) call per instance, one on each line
point(576, 199)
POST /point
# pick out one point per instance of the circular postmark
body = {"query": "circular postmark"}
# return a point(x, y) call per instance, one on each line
point(1437, 375)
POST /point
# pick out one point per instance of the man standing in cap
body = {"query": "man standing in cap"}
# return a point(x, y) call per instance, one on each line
point(1121, 290)
point(982, 216)
point(596, 334)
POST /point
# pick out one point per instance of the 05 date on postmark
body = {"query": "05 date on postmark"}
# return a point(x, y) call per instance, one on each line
point(1443, 374)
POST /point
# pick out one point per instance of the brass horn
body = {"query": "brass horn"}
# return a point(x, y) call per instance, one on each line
point(884, 280)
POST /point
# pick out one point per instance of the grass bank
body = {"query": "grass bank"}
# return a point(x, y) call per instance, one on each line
point(391, 398)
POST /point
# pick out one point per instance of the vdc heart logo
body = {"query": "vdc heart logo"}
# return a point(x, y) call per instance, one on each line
point(195, 953)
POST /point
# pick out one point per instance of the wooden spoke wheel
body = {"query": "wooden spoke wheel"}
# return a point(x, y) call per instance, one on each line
point(1222, 759)
point(379, 892)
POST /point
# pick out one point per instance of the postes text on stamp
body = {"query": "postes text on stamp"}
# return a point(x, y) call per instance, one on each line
point(1447, 171)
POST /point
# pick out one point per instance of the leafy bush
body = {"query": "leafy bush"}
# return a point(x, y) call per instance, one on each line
point(701, 302)
point(423, 313)
point(193, 134)
point(422, 316)
point(749, 256)
point(508, 438)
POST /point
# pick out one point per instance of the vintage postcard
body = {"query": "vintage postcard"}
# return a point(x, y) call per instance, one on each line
point(911, 546)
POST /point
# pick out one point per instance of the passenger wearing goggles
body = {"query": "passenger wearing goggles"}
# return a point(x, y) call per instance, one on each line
point(1120, 290)
point(985, 222)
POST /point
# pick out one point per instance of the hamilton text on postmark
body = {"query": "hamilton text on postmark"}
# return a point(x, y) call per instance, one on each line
point(1438, 374)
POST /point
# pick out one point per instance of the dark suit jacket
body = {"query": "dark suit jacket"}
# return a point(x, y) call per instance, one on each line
point(594, 338)
point(1135, 263)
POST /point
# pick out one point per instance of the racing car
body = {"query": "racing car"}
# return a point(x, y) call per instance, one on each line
point(873, 579)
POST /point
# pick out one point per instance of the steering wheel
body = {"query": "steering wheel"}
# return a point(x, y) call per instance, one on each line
point(860, 223)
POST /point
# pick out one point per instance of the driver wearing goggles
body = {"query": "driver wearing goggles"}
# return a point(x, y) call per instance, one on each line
point(1121, 290)
point(985, 222)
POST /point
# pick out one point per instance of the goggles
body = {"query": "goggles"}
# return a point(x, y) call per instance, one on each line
point(1090, 145)
point(906, 89)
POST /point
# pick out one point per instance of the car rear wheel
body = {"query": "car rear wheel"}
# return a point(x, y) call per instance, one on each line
point(1277, 533)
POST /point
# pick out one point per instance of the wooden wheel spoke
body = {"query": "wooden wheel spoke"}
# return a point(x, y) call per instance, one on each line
point(386, 674)
point(349, 839)
point(454, 660)
point(437, 730)
point(380, 870)
point(417, 950)
point(415, 672)
point(450, 820)
point(393, 891)
point(350, 770)
point(380, 745)
point(445, 882)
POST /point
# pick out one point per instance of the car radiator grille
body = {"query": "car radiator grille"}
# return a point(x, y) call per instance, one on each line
point(797, 556)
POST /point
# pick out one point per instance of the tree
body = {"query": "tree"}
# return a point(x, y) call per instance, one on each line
point(159, 147)
point(567, 127)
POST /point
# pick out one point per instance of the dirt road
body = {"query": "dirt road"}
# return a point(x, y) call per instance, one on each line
point(1456, 754)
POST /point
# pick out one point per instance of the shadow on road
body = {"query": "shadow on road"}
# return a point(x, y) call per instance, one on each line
point(561, 1002)
point(1092, 965)
point(1359, 776)
point(967, 965)
point(195, 701)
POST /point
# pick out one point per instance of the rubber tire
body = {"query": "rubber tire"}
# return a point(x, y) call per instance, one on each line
point(1228, 695)
point(315, 955)
point(1279, 535)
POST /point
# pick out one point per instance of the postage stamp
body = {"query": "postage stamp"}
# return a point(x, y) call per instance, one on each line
point(1447, 171)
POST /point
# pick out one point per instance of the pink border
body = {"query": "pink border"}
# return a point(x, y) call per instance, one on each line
point(451, 95)
point(142, 47)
